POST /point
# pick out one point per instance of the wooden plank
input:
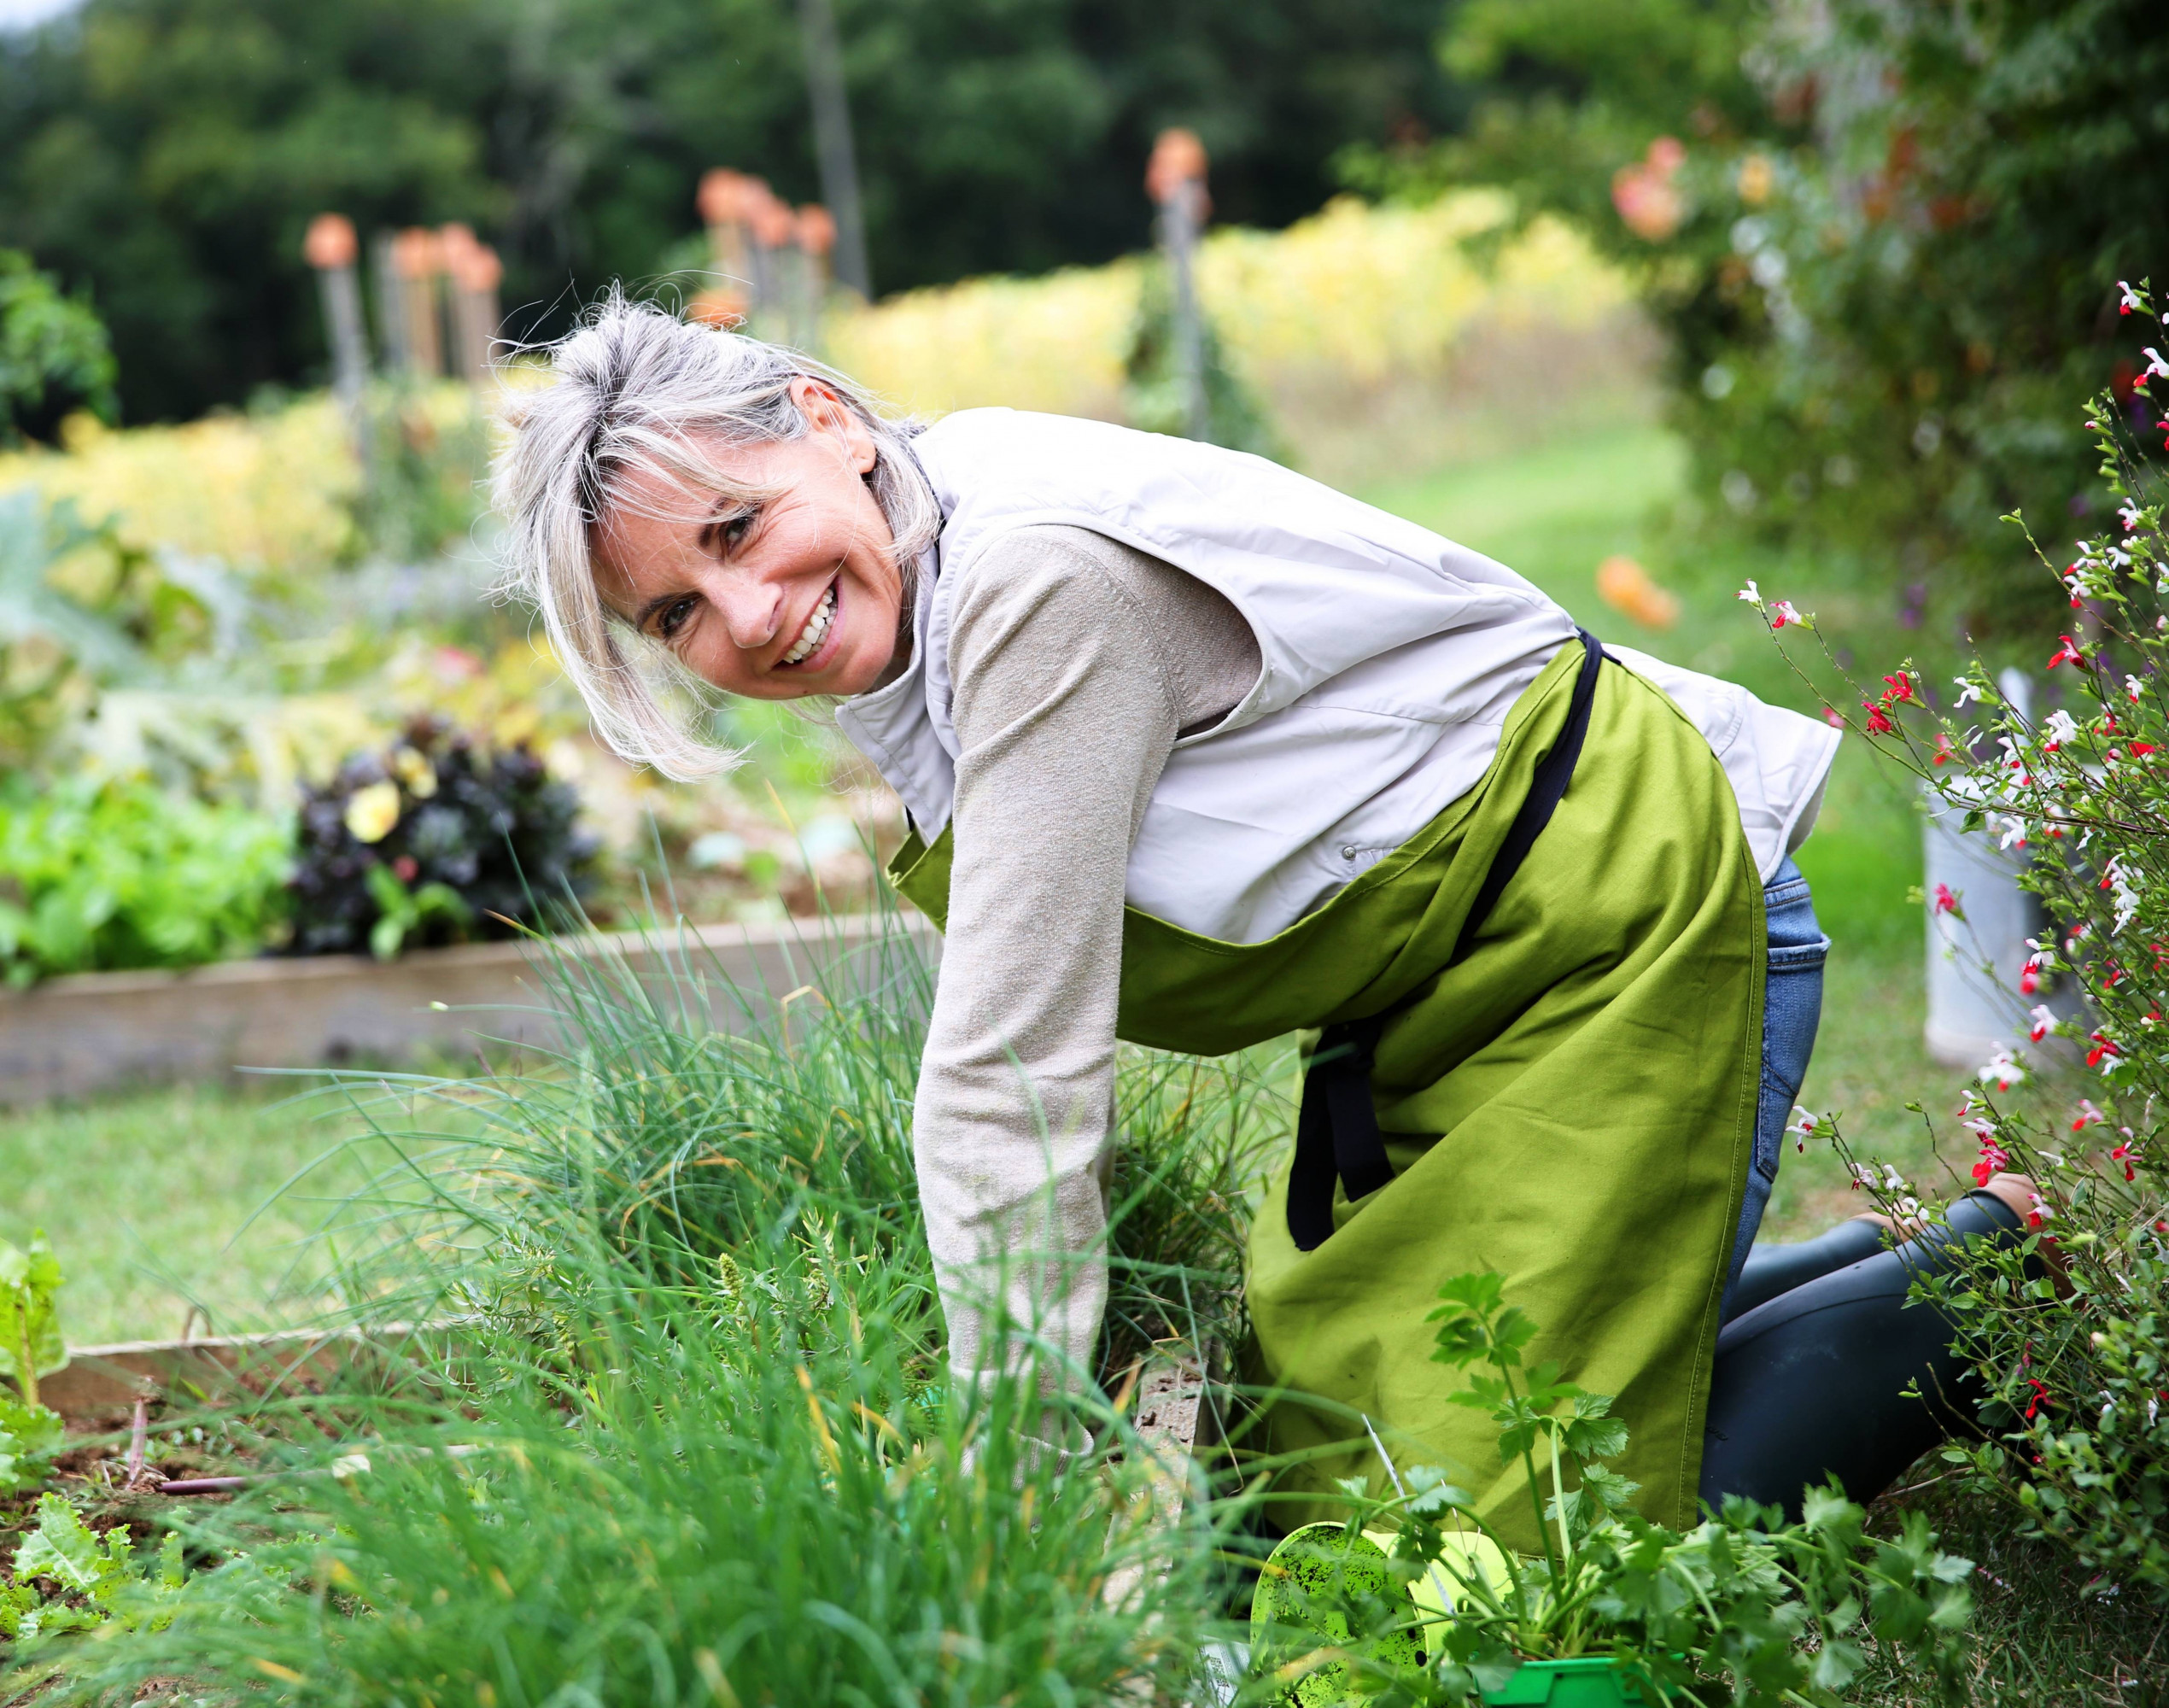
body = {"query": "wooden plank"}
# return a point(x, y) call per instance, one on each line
point(217, 1368)
point(95, 1031)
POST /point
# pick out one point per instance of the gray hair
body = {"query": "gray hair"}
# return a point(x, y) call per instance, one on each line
point(635, 389)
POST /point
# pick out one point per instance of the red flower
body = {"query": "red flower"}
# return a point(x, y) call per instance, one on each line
point(2067, 653)
point(2123, 1154)
point(407, 868)
point(1833, 718)
point(2141, 749)
point(2041, 1395)
point(1901, 686)
point(1944, 901)
point(2102, 1046)
point(1994, 1158)
point(1943, 748)
point(1878, 724)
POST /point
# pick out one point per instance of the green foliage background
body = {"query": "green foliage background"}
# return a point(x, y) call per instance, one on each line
point(1894, 280)
point(170, 152)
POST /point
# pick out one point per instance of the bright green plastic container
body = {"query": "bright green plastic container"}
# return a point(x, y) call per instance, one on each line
point(1310, 1559)
point(1592, 1682)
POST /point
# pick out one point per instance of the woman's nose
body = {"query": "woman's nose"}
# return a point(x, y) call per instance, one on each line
point(750, 610)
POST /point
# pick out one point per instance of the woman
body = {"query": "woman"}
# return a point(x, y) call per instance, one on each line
point(1198, 752)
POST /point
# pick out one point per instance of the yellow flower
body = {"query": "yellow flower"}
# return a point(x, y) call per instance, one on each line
point(416, 772)
point(1757, 178)
point(372, 811)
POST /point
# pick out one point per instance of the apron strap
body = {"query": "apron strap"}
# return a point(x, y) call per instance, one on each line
point(1336, 1130)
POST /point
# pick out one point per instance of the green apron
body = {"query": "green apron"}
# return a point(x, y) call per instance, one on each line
point(1571, 1104)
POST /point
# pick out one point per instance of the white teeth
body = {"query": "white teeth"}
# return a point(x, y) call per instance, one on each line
point(816, 629)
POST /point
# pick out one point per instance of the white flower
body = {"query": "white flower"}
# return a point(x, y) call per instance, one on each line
point(1972, 690)
point(2059, 727)
point(2132, 689)
point(2014, 832)
point(2001, 1070)
point(1752, 594)
point(2128, 514)
point(2043, 1021)
point(2127, 892)
point(2130, 299)
point(2155, 364)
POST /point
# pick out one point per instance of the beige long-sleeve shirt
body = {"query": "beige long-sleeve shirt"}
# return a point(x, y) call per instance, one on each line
point(1078, 662)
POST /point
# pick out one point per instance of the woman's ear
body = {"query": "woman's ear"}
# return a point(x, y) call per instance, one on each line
point(826, 412)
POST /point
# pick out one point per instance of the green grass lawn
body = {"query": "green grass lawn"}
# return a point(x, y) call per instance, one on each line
point(148, 1201)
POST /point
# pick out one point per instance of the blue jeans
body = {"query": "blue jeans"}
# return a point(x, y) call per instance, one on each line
point(1791, 1009)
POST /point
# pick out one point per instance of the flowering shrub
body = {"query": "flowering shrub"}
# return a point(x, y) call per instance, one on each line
point(436, 840)
point(2068, 1329)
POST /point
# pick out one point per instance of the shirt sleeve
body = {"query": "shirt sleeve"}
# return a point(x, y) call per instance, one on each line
point(1076, 663)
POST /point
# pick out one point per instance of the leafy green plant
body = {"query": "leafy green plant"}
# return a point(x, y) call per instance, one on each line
point(54, 353)
point(1153, 394)
point(2065, 1328)
point(31, 1344)
point(1774, 1612)
point(401, 912)
point(98, 874)
point(95, 1578)
point(438, 838)
point(27, 1433)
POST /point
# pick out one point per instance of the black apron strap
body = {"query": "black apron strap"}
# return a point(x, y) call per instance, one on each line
point(1336, 1130)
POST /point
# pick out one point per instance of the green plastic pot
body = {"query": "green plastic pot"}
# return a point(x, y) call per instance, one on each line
point(1592, 1681)
point(1311, 1558)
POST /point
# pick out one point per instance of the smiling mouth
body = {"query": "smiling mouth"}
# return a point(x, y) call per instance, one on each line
point(816, 631)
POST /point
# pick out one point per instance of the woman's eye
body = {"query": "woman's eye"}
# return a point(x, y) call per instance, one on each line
point(733, 532)
point(673, 617)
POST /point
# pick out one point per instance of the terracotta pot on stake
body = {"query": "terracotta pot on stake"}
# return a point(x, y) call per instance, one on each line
point(475, 272)
point(330, 247)
point(417, 260)
point(726, 203)
point(776, 230)
point(1175, 180)
point(817, 240)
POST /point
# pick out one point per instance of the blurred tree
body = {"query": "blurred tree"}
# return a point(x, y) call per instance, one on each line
point(170, 152)
point(54, 353)
point(1885, 236)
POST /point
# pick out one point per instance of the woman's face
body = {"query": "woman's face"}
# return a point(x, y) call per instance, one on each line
point(790, 595)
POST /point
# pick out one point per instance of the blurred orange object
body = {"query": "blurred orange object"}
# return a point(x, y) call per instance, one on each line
point(1626, 587)
point(330, 242)
point(817, 229)
point(1649, 202)
point(774, 223)
point(718, 307)
point(724, 196)
point(1177, 158)
point(416, 253)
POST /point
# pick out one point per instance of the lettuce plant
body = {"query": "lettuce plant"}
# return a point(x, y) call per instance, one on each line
point(97, 875)
point(94, 1577)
